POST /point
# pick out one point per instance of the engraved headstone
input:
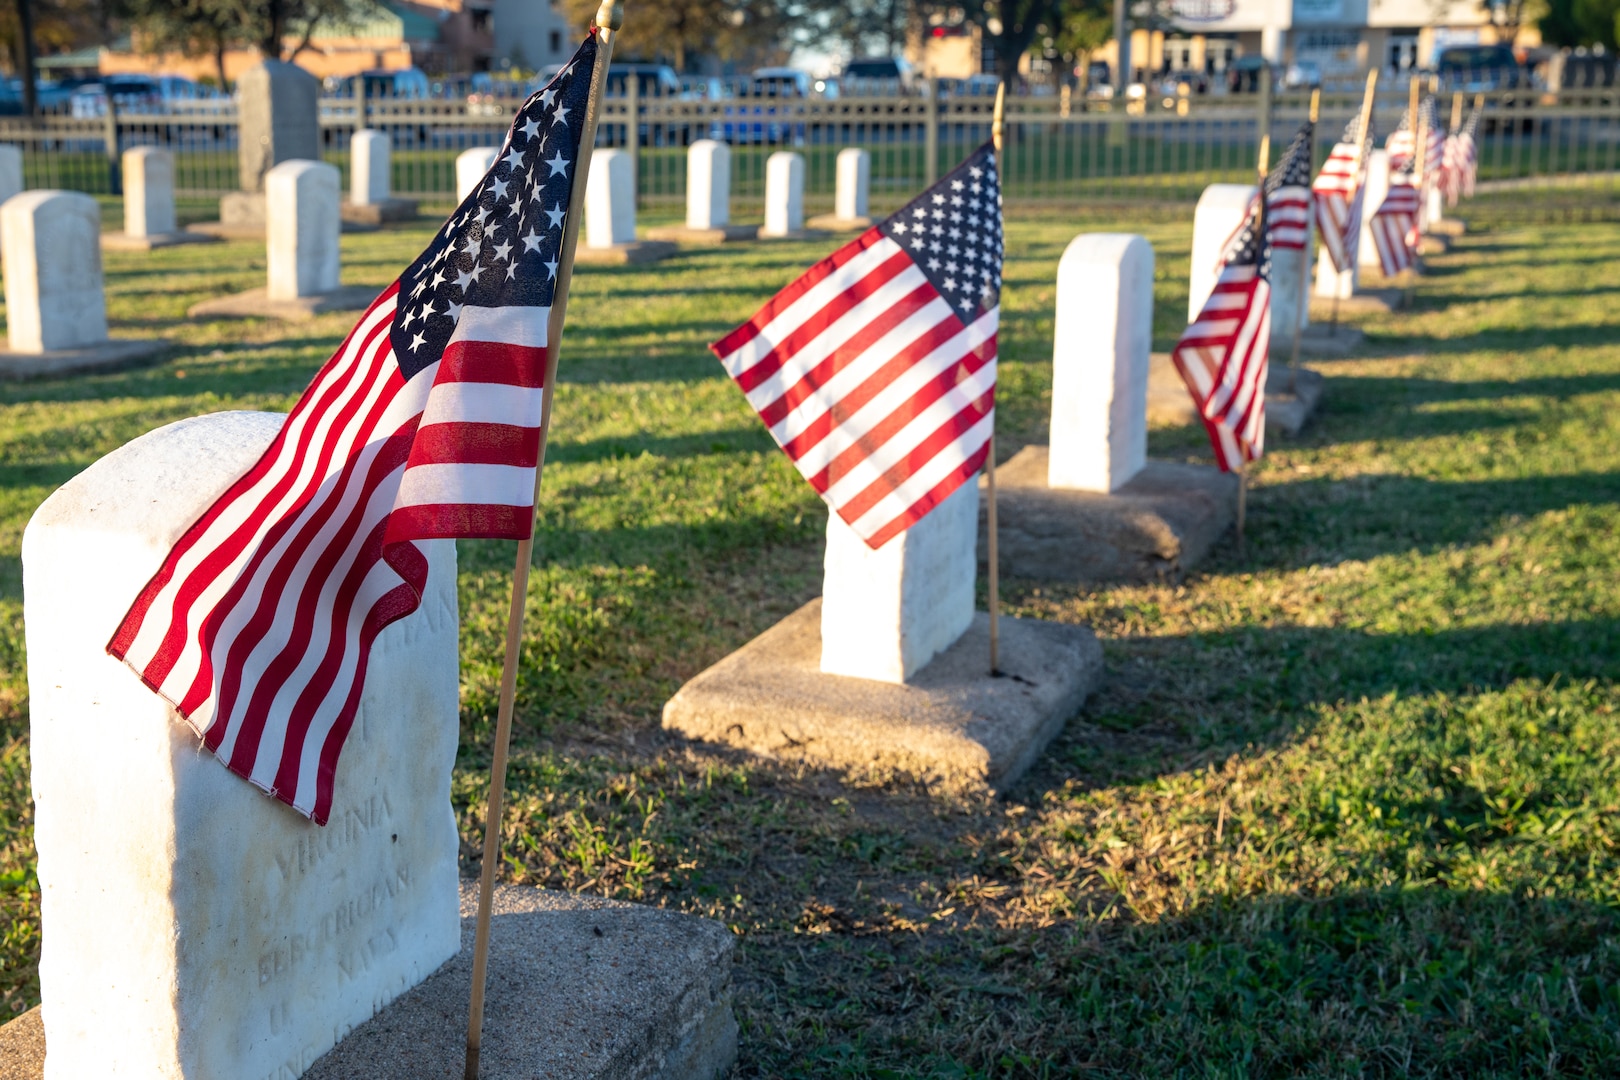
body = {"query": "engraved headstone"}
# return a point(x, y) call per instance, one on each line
point(610, 200)
point(854, 184)
point(1101, 342)
point(1220, 212)
point(148, 191)
point(11, 172)
point(194, 928)
point(278, 119)
point(1377, 189)
point(886, 613)
point(302, 227)
point(54, 297)
point(708, 185)
point(370, 180)
point(471, 165)
point(784, 194)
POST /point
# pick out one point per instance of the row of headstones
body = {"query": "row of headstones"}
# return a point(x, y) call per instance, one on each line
point(610, 201)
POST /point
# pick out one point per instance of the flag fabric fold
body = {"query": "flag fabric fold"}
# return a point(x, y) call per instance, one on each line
point(425, 424)
point(1340, 190)
point(1222, 354)
point(1394, 225)
point(875, 370)
point(1288, 193)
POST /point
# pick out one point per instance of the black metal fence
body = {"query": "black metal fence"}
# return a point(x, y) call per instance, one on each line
point(1557, 152)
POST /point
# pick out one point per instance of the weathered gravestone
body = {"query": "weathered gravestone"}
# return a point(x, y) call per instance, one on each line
point(1090, 506)
point(784, 197)
point(610, 215)
point(371, 182)
point(708, 199)
point(471, 165)
point(853, 194)
point(301, 250)
point(56, 309)
point(890, 671)
point(196, 929)
point(149, 219)
point(278, 119)
point(1290, 401)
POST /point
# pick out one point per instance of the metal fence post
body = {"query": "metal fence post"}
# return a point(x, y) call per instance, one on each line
point(632, 133)
point(115, 178)
point(931, 134)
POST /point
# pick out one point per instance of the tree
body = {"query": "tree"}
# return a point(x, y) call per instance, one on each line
point(1084, 26)
point(28, 27)
point(211, 27)
point(1581, 22)
point(678, 31)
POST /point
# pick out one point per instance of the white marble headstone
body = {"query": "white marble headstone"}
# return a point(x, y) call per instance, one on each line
point(148, 191)
point(194, 928)
point(784, 194)
point(852, 198)
point(1219, 214)
point(11, 172)
point(1377, 189)
point(302, 227)
point(886, 613)
point(54, 297)
point(1100, 348)
point(471, 165)
point(610, 200)
point(1330, 281)
point(1290, 296)
point(708, 185)
point(370, 162)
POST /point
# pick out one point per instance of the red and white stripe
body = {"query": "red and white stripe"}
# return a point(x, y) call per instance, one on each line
point(1288, 216)
point(1222, 359)
point(259, 625)
point(1394, 226)
point(1339, 193)
point(879, 393)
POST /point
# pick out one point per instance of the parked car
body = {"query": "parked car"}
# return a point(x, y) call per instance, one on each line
point(489, 95)
point(652, 80)
point(1243, 74)
point(1303, 75)
point(49, 95)
point(1584, 69)
point(146, 95)
point(972, 86)
point(1477, 69)
point(875, 76)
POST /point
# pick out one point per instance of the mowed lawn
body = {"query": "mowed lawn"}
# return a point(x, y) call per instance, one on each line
point(1348, 807)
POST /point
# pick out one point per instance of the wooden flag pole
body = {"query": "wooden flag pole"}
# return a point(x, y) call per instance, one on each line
point(1259, 220)
point(992, 554)
point(608, 19)
point(1419, 137)
point(1456, 113)
point(1304, 257)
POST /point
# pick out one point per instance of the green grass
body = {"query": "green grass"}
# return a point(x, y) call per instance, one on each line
point(1346, 808)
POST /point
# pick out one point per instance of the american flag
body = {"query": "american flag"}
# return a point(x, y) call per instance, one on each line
point(425, 424)
point(1340, 190)
point(1222, 355)
point(876, 370)
point(1394, 225)
point(1462, 160)
point(1402, 144)
point(1288, 193)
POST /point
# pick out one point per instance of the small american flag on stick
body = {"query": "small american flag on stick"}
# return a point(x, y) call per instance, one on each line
point(426, 424)
point(875, 371)
point(1288, 192)
point(1394, 225)
point(1222, 354)
point(1340, 190)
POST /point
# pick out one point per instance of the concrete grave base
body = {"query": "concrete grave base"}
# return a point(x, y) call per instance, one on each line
point(834, 223)
point(953, 723)
point(631, 254)
point(580, 988)
point(1291, 397)
point(385, 212)
point(113, 353)
point(1434, 244)
point(1449, 227)
point(226, 231)
point(117, 241)
point(256, 303)
point(1327, 340)
point(242, 217)
point(1365, 302)
point(725, 234)
point(1158, 525)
